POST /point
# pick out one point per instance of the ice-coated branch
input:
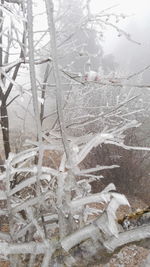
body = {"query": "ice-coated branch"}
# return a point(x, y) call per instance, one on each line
point(120, 31)
point(26, 183)
point(22, 156)
point(32, 68)
point(3, 196)
point(138, 148)
point(94, 142)
point(40, 231)
point(133, 235)
point(34, 92)
point(103, 196)
point(139, 236)
point(53, 49)
point(32, 201)
point(111, 243)
point(76, 238)
point(97, 168)
point(63, 194)
point(106, 223)
point(24, 248)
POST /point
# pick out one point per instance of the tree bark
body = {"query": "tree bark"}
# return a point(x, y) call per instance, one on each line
point(5, 128)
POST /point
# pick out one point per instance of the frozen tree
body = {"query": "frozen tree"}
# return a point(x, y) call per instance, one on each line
point(48, 210)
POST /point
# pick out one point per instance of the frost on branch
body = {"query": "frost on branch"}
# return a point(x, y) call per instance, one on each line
point(23, 206)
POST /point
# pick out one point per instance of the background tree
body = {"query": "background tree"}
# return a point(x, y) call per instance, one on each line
point(10, 38)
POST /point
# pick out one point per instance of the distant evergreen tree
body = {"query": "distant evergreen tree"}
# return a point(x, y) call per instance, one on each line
point(83, 43)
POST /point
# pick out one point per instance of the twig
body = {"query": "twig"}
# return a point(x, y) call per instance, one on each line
point(139, 72)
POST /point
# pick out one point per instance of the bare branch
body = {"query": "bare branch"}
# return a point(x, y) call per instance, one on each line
point(139, 72)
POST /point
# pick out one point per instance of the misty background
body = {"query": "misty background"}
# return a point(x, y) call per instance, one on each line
point(120, 54)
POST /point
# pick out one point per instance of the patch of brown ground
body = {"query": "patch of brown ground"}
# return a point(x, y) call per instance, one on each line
point(129, 256)
point(4, 264)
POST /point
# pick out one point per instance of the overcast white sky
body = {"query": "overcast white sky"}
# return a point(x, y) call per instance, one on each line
point(129, 6)
point(139, 11)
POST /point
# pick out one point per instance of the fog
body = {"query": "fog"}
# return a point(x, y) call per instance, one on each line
point(129, 56)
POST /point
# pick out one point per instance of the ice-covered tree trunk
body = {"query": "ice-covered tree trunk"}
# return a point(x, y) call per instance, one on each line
point(64, 183)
